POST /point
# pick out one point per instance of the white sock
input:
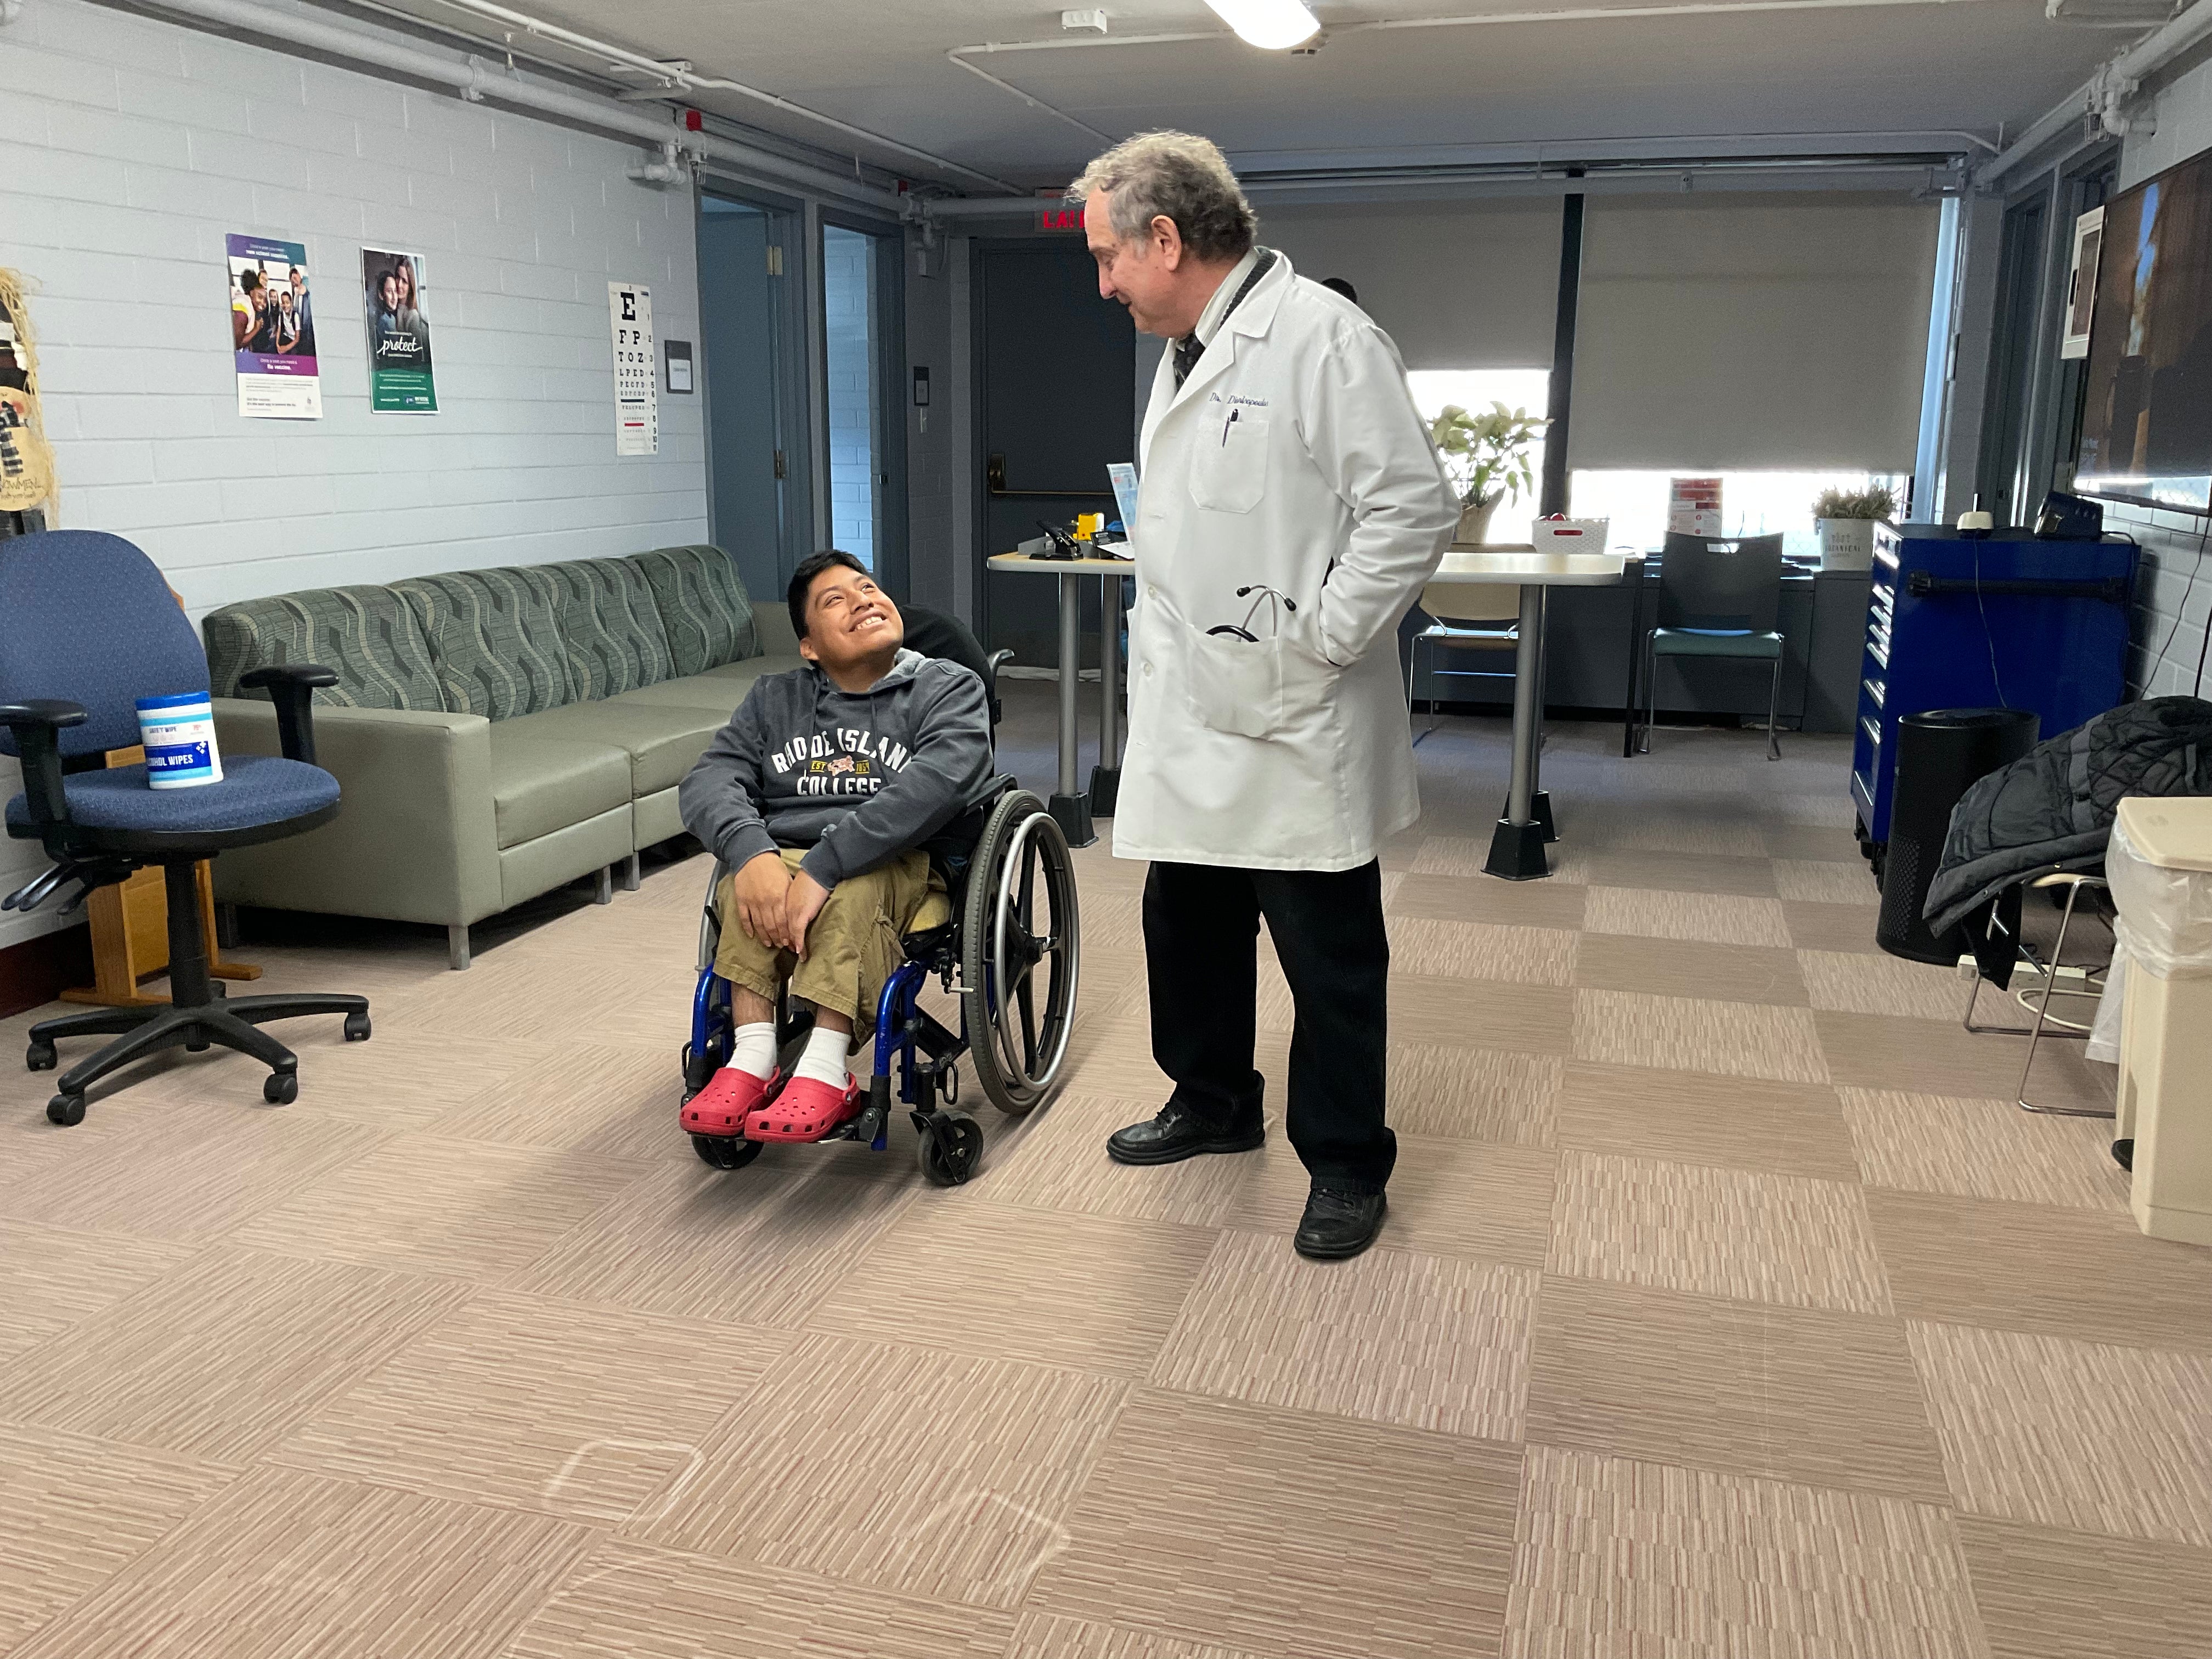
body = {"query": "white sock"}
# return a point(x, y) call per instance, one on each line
point(824, 1059)
point(752, 1049)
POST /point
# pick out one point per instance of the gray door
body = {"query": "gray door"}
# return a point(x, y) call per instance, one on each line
point(751, 465)
point(1058, 383)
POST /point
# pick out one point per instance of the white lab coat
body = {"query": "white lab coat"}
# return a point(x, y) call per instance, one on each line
point(1292, 457)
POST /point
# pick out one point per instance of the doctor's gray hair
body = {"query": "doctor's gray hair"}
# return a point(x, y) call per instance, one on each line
point(1182, 175)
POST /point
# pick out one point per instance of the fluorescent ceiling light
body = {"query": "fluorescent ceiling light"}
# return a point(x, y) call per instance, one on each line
point(1275, 25)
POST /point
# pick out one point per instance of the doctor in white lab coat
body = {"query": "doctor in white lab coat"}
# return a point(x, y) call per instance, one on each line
point(1290, 508)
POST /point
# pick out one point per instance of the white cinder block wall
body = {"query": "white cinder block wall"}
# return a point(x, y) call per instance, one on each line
point(129, 148)
point(2172, 610)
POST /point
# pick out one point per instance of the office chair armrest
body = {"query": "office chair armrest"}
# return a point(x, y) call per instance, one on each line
point(291, 686)
point(36, 726)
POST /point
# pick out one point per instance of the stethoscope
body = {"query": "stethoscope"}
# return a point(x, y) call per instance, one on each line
point(1267, 596)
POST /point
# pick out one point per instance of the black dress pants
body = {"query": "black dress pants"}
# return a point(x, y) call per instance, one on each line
point(1201, 928)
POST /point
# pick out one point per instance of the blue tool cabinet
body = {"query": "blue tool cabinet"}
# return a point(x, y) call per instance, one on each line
point(2054, 615)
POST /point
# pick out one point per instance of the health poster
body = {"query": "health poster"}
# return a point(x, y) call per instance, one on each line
point(398, 312)
point(272, 330)
point(637, 408)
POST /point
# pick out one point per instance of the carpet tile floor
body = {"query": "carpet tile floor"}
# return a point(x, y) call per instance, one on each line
point(1727, 1306)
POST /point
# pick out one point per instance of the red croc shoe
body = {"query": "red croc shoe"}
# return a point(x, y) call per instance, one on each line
point(805, 1110)
point(720, 1109)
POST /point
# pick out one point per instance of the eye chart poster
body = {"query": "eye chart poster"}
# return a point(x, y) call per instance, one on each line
point(637, 410)
point(272, 331)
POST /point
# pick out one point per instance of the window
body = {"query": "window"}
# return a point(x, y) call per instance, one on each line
point(848, 308)
point(1752, 503)
point(1477, 389)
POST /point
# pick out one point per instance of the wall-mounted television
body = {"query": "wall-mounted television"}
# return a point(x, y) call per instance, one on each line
point(2147, 403)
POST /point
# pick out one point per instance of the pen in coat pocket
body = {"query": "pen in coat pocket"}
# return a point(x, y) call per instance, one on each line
point(1226, 424)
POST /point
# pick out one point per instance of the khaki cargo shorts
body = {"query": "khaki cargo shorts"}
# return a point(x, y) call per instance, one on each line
point(853, 944)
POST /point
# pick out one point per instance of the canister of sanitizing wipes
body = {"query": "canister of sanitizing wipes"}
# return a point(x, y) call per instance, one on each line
point(178, 734)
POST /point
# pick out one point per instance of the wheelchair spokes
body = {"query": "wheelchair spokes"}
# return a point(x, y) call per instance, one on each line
point(1018, 1049)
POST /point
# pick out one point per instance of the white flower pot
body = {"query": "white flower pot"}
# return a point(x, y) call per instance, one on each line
point(1475, 522)
point(1845, 543)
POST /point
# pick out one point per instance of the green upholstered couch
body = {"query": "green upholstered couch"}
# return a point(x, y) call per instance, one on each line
point(497, 732)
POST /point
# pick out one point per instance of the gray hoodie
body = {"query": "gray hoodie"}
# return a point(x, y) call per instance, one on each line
point(858, 777)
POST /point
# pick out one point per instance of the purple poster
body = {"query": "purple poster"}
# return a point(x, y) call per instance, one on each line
point(272, 330)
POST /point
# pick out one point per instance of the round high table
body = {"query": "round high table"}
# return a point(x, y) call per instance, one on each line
point(1517, 846)
point(1073, 807)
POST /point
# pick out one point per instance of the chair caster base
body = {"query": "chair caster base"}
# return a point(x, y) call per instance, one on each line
point(65, 1109)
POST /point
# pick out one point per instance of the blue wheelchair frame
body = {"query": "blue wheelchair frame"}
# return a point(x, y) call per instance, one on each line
point(902, 1025)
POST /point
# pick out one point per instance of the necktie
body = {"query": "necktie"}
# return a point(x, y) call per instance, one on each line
point(1188, 351)
point(1190, 348)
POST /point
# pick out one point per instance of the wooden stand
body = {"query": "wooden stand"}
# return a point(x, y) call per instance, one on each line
point(131, 930)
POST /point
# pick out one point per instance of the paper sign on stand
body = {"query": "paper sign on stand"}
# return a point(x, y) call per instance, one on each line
point(1693, 507)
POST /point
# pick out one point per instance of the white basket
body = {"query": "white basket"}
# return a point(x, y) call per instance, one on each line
point(1569, 535)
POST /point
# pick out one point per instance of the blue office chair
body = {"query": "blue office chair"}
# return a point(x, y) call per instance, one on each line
point(87, 628)
point(1719, 597)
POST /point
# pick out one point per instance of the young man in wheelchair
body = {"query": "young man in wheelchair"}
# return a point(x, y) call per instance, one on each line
point(817, 799)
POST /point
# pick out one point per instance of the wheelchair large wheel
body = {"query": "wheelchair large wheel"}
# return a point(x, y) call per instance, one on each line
point(1019, 954)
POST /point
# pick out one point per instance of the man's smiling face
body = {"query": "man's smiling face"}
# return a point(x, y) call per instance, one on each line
point(849, 619)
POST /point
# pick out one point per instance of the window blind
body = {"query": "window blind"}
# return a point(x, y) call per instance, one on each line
point(1752, 331)
point(1455, 285)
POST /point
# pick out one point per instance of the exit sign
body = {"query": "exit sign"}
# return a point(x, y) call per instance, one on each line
point(1059, 218)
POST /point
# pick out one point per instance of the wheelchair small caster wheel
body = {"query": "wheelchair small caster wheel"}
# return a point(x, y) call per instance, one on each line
point(40, 1056)
point(281, 1088)
point(951, 1147)
point(65, 1109)
point(358, 1028)
point(725, 1151)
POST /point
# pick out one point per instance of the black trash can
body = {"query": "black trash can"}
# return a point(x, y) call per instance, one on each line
point(1939, 754)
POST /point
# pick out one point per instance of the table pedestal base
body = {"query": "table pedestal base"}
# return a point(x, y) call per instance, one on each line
point(1516, 852)
point(1073, 814)
point(1105, 789)
point(1539, 805)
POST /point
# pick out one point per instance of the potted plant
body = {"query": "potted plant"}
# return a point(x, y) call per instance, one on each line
point(1486, 456)
point(1844, 520)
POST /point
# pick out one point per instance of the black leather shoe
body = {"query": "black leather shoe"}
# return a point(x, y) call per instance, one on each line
point(1338, 1223)
point(1177, 1133)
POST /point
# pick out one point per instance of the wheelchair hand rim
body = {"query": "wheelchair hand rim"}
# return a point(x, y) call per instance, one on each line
point(1032, 1076)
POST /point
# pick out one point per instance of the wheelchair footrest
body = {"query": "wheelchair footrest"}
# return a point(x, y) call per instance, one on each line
point(804, 1110)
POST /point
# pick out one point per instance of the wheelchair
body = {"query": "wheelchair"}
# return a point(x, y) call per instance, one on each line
point(1011, 953)
point(1012, 956)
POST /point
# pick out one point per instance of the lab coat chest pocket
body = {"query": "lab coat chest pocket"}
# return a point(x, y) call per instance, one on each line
point(1229, 470)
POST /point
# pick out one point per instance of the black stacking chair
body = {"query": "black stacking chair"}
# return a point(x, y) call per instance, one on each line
point(87, 627)
point(1719, 597)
